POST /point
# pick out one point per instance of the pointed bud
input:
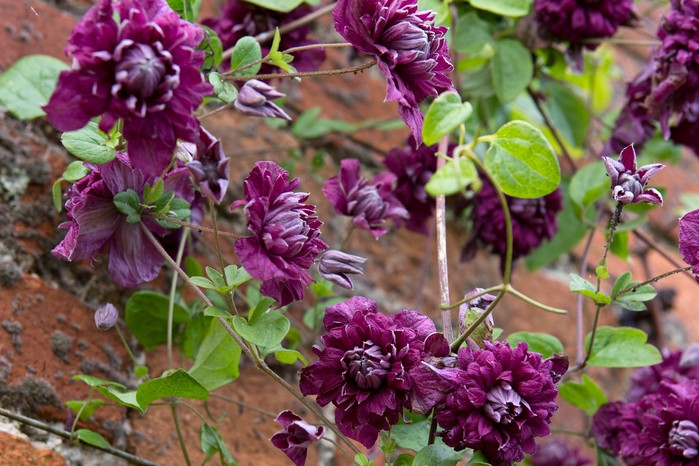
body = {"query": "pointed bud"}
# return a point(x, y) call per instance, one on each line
point(254, 99)
point(336, 265)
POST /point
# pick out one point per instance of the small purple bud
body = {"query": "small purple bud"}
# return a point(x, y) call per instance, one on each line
point(254, 99)
point(336, 265)
point(629, 183)
point(106, 316)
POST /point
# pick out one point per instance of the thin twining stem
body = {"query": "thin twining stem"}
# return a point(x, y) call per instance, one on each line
point(199, 228)
point(306, 74)
point(442, 266)
point(633, 288)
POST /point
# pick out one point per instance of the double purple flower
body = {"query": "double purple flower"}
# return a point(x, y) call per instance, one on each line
point(286, 233)
point(409, 49)
point(143, 69)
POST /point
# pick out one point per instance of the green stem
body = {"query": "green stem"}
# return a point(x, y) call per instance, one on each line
point(492, 289)
point(537, 101)
point(337, 445)
point(66, 435)
point(126, 345)
point(191, 408)
point(534, 302)
point(306, 74)
point(212, 213)
point(180, 437)
point(442, 265)
point(244, 405)
point(633, 288)
point(199, 228)
point(171, 300)
point(612, 229)
point(462, 338)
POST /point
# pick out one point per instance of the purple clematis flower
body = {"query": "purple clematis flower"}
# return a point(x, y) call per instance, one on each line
point(501, 398)
point(558, 453)
point(286, 233)
point(413, 169)
point(410, 51)
point(94, 223)
point(255, 99)
point(613, 424)
point(143, 69)
point(689, 240)
point(296, 436)
point(629, 183)
point(239, 18)
point(209, 166)
point(672, 369)
point(370, 204)
point(363, 368)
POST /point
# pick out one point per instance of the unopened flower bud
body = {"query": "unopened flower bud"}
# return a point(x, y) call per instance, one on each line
point(106, 316)
point(185, 151)
point(254, 99)
point(336, 265)
point(471, 311)
point(628, 183)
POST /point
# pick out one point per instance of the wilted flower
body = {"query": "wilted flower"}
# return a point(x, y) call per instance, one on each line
point(94, 223)
point(558, 453)
point(577, 20)
point(210, 166)
point(413, 169)
point(363, 368)
point(501, 399)
point(143, 69)
point(689, 240)
point(239, 18)
point(106, 316)
point(410, 51)
point(370, 204)
point(629, 183)
point(669, 422)
point(255, 99)
point(646, 380)
point(533, 221)
point(336, 265)
point(296, 436)
point(286, 233)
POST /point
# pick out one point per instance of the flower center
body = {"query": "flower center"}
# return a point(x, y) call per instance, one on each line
point(145, 76)
point(408, 40)
point(684, 439)
point(286, 228)
point(365, 199)
point(366, 366)
point(503, 404)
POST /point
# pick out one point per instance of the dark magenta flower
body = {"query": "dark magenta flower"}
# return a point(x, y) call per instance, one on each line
point(647, 380)
point(106, 316)
point(689, 240)
point(363, 368)
point(576, 20)
point(533, 221)
point(669, 422)
point(628, 183)
point(558, 453)
point(613, 424)
point(209, 166)
point(370, 204)
point(296, 436)
point(239, 18)
point(336, 265)
point(634, 125)
point(94, 223)
point(409, 49)
point(255, 99)
point(501, 399)
point(143, 69)
point(286, 233)
point(413, 169)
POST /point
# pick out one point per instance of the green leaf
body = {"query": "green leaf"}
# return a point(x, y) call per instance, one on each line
point(153, 193)
point(360, 459)
point(568, 113)
point(89, 144)
point(512, 8)
point(212, 443)
point(178, 209)
point(602, 272)
point(122, 396)
point(512, 68)
point(192, 267)
point(224, 90)
point(586, 394)
point(96, 381)
point(247, 50)
point(436, 455)
point(129, 204)
point(88, 407)
point(215, 276)
point(283, 6)
point(28, 84)
point(267, 330)
point(622, 282)
point(75, 171)
point(146, 317)
point(445, 114)
point(413, 436)
point(605, 458)
point(172, 383)
point(522, 161)
point(57, 195)
point(581, 286)
point(187, 9)
point(588, 185)
point(92, 438)
point(140, 372)
point(236, 276)
point(454, 177)
point(218, 358)
point(288, 356)
point(633, 300)
point(620, 245)
point(404, 459)
point(212, 47)
point(537, 342)
point(622, 347)
point(213, 311)
point(479, 459)
point(472, 34)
